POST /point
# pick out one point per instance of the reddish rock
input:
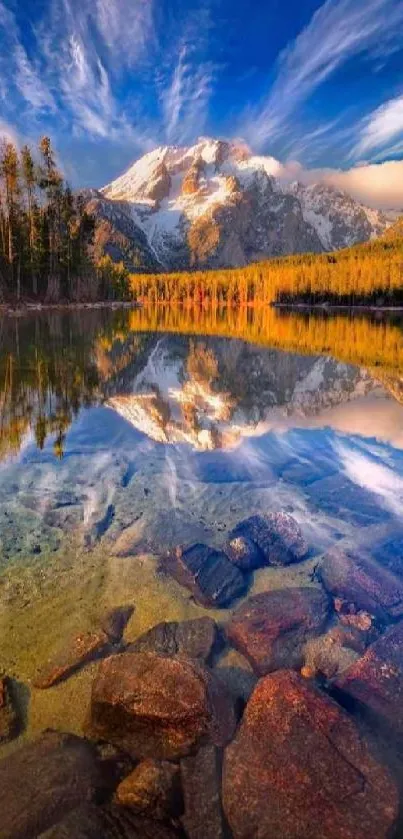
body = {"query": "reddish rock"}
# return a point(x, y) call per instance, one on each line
point(160, 707)
point(42, 781)
point(159, 185)
point(277, 538)
point(115, 621)
point(194, 638)
point(81, 650)
point(298, 769)
point(201, 783)
point(191, 181)
point(271, 628)
point(152, 789)
point(376, 679)
point(209, 574)
point(8, 714)
point(360, 581)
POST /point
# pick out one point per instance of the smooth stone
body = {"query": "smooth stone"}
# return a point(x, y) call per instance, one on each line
point(109, 822)
point(271, 628)
point(153, 789)
point(81, 650)
point(243, 552)
point(376, 679)
point(160, 707)
point(208, 573)
point(195, 638)
point(42, 781)
point(277, 538)
point(360, 580)
point(299, 769)
point(115, 621)
point(201, 784)
point(8, 713)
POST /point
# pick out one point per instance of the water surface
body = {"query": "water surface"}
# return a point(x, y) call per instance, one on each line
point(126, 433)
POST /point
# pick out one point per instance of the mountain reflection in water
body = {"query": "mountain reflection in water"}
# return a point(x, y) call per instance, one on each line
point(53, 364)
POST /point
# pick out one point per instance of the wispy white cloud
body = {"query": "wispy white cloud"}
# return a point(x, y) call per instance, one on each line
point(382, 126)
point(77, 47)
point(338, 31)
point(19, 72)
point(186, 97)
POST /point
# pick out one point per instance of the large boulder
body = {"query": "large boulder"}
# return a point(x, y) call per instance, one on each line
point(195, 638)
point(271, 628)
point(298, 769)
point(376, 679)
point(152, 789)
point(160, 707)
point(361, 581)
point(42, 781)
point(273, 539)
point(208, 573)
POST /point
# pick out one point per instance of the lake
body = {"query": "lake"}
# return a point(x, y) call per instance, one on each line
point(127, 433)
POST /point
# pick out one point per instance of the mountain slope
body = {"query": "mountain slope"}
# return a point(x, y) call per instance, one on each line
point(215, 204)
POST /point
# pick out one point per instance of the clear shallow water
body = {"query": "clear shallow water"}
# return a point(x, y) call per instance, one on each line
point(124, 434)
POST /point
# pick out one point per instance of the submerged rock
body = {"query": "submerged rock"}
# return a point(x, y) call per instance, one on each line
point(160, 707)
point(328, 655)
point(271, 628)
point(274, 539)
point(243, 552)
point(195, 638)
point(153, 789)
point(81, 650)
point(298, 769)
point(376, 679)
point(8, 713)
point(211, 577)
point(43, 780)
point(363, 582)
point(115, 621)
point(201, 783)
point(110, 822)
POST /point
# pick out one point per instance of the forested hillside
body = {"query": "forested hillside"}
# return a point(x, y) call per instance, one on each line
point(366, 274)
point(46, 234)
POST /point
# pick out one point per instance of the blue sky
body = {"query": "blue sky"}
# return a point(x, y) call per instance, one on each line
point(321, 83)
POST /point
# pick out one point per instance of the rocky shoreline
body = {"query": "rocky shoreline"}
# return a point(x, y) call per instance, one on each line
point(271, 745)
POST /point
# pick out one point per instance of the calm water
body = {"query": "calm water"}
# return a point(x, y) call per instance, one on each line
point(126, 433)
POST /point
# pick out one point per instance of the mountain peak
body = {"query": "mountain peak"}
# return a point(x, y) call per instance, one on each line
point(215, 203)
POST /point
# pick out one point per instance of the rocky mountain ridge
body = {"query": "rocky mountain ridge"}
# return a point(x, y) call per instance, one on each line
point(216, 204)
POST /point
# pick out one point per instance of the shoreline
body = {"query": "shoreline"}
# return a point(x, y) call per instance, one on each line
point(32, 308)
point(326, 307)
point(28, 308)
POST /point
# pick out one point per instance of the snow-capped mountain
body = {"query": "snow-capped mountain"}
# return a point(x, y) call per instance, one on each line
point(337, 218)
point(216, 204)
